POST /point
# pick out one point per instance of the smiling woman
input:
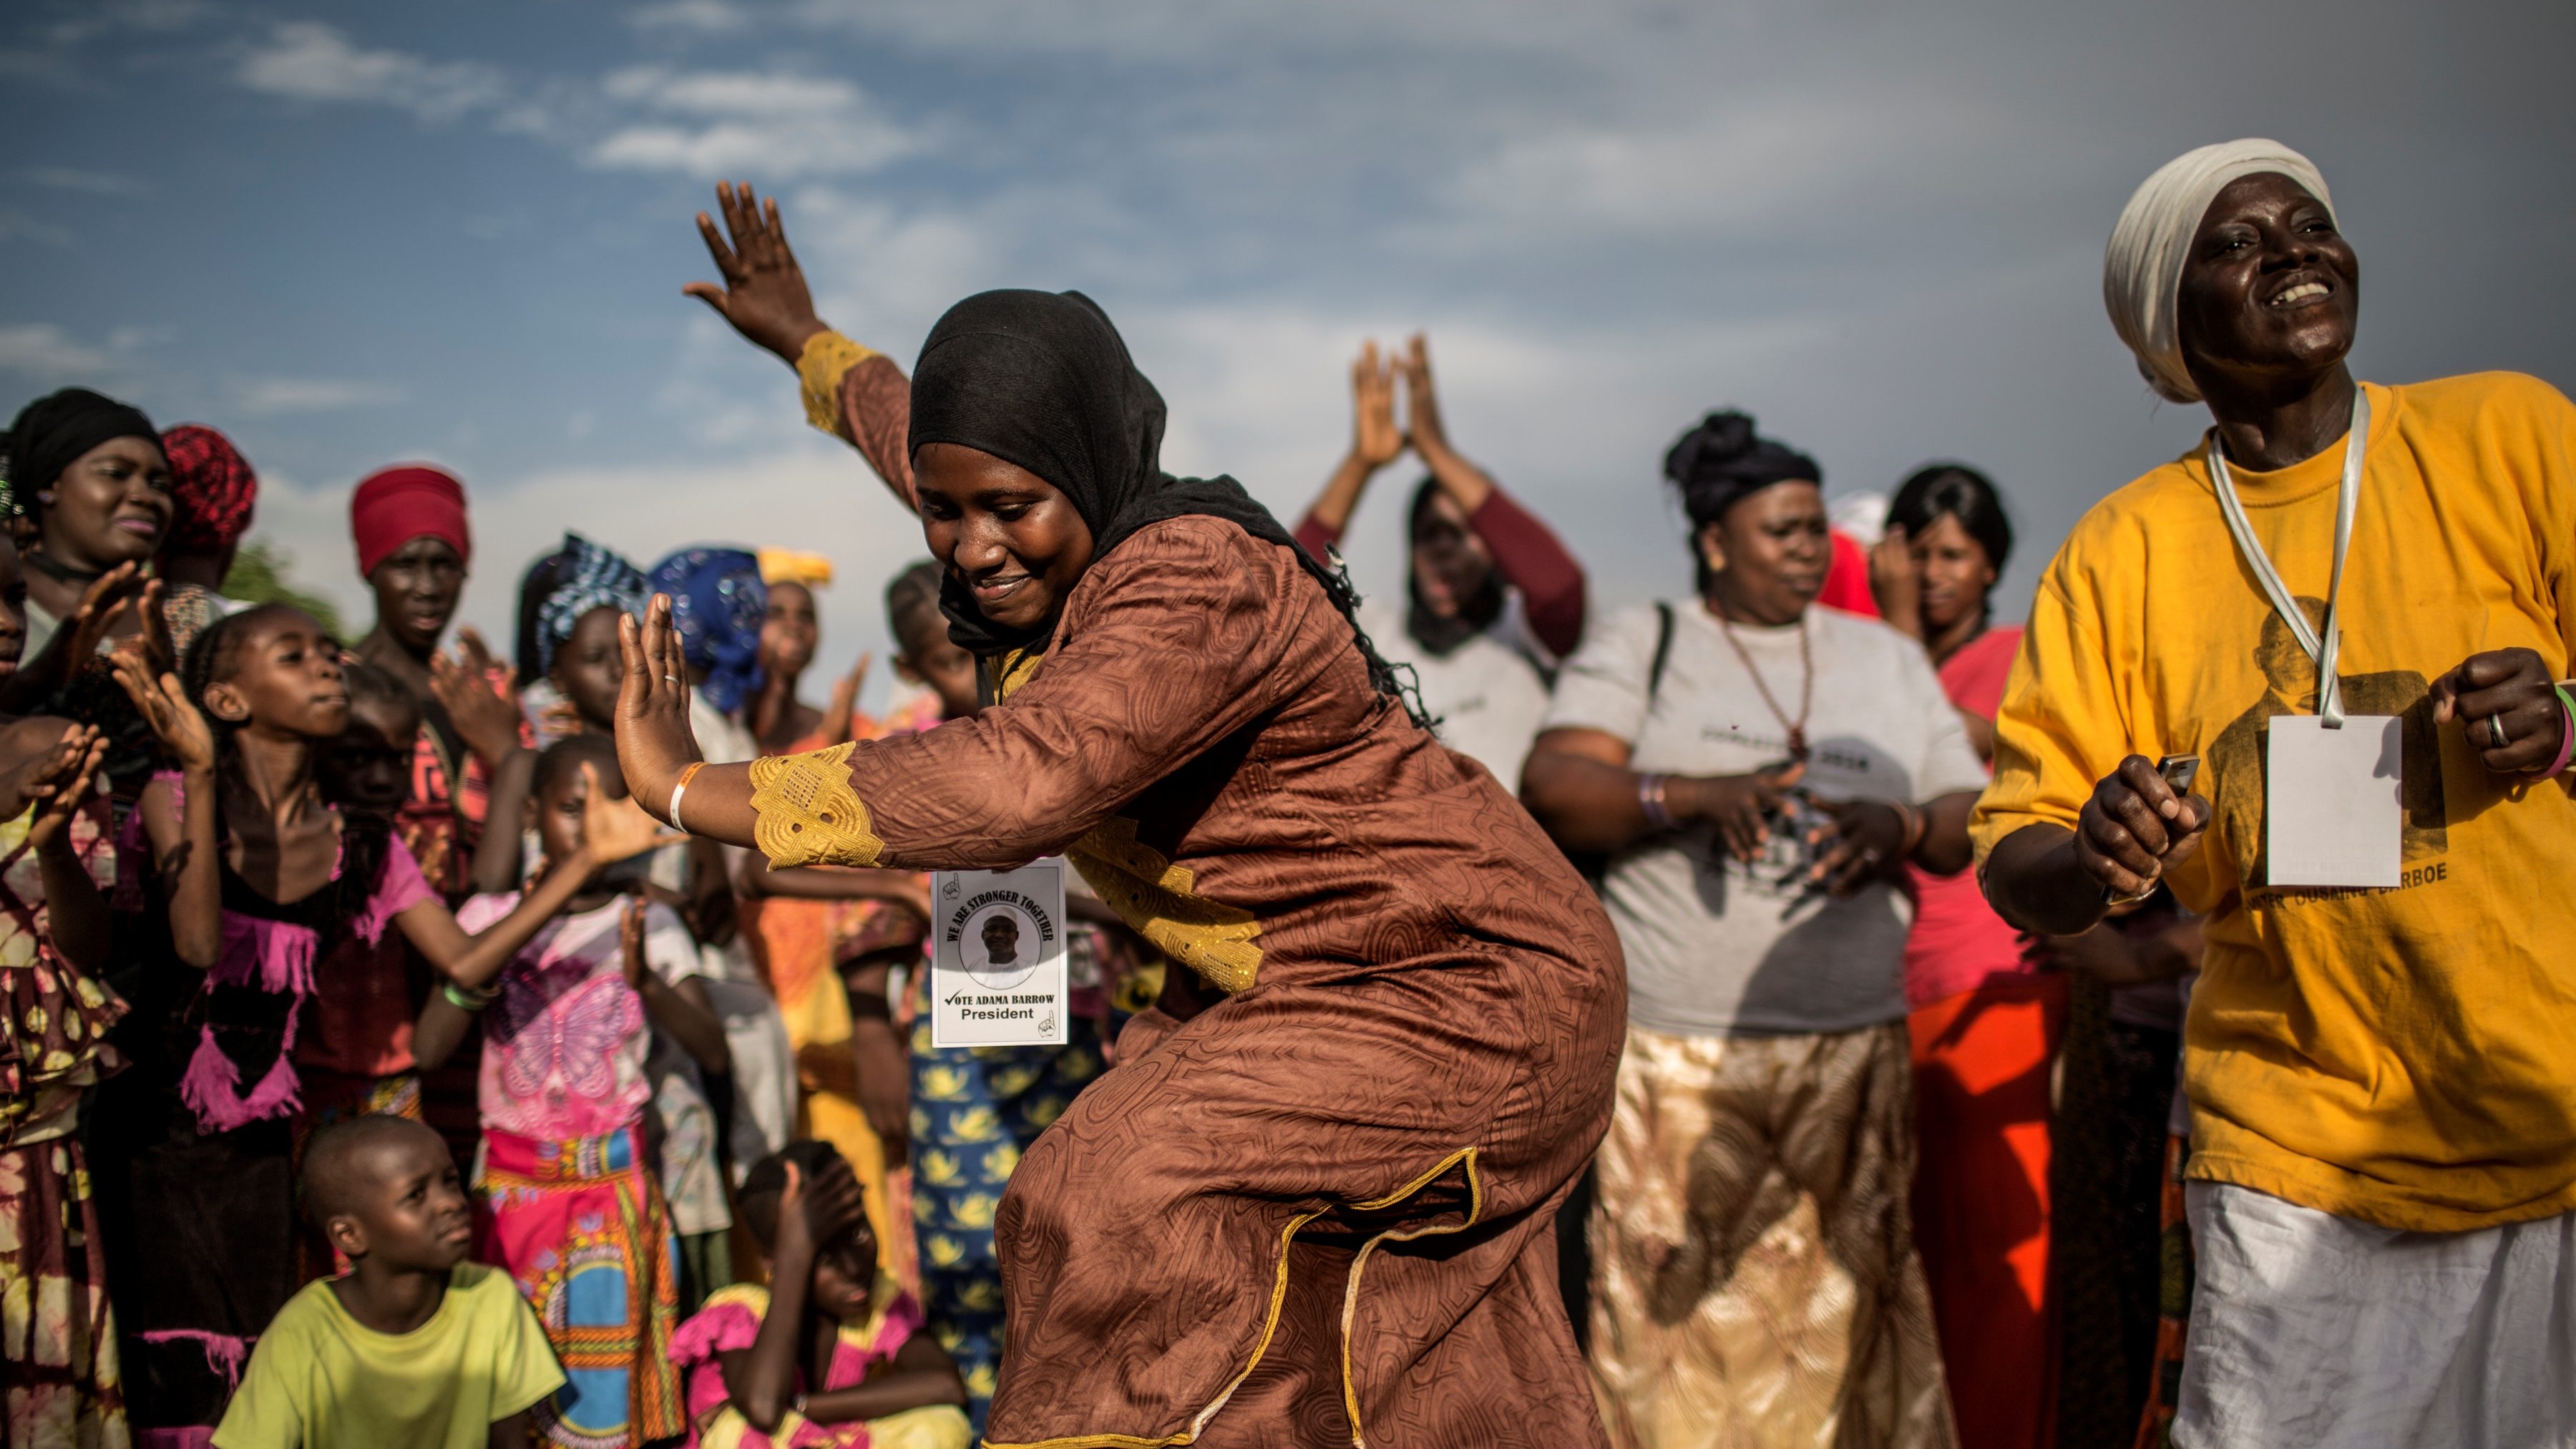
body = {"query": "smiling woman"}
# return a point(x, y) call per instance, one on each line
point(91, 472)
point(2375, 1055)
point(1401, 1013)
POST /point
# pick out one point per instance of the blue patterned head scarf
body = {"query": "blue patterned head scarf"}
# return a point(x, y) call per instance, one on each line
point(587, 576)
point(717, 604)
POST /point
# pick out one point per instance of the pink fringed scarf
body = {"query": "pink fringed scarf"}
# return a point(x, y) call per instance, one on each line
point(273, 956)
point(268, 955)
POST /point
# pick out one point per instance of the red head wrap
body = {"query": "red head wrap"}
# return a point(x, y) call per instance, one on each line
point(395, 505)
point(215, 489)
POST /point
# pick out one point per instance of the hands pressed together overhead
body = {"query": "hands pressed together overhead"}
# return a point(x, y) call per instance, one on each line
point(1376, 439)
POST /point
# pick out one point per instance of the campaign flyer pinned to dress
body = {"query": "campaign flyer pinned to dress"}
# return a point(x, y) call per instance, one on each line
point(999, 976)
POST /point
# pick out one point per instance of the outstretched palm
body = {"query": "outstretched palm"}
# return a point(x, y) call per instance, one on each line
point(764, 294)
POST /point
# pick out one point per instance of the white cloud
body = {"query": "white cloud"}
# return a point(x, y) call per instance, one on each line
point(96, 183)
point(44, 351)
point(725, 122)
point(274, 396)
point(712, 16)
point(15, 224)
point(310, 61)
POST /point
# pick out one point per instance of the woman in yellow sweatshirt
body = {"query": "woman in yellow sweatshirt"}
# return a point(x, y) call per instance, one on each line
point(2383, 1158)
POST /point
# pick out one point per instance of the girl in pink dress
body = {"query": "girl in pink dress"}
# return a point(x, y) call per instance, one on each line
point(831, 1356)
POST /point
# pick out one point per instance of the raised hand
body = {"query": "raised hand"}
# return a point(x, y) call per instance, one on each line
point(1422, 426)
point(630, 940)
point(812, 1212)
point(1375, 439)
point(102, 607)
point(1896, 582)
point(844, 709)
point(654, 740)
point(63, 781)
point(2508, 707)
point(764, 294)
point(614, 827)
point(166, 707)
point(160, 650)
point(486, 718)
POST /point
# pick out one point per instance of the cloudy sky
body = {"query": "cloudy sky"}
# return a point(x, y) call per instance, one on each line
point(350, 235)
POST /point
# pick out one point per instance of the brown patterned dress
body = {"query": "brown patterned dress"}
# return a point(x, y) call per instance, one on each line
point(1316, 1204)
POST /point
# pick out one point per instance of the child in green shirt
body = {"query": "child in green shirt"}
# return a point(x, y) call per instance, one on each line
point(414, 1348)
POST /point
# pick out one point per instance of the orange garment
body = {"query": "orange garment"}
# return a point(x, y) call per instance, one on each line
point(1981, 1111)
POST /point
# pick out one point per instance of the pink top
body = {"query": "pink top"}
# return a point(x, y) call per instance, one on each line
point(564, 1046)
point(1958, 942)
point(731, 1320)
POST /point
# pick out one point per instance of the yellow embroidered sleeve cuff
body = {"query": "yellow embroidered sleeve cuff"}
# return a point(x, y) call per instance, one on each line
point(827, 358)
point(807, 813)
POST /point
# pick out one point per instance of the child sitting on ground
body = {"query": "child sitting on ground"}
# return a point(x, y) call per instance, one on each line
point(831, 1354)
point(415, 1348)
point(573, 1209)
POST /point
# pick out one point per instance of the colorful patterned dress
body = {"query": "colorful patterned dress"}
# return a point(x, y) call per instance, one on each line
point(57, 1332)
point(571, 1205)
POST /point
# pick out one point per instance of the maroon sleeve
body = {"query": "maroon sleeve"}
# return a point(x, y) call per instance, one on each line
point(1534, 562)
point(876, 417)
point(1316, 536)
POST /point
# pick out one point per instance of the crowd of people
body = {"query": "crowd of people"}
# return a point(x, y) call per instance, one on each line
point(1806, 1009)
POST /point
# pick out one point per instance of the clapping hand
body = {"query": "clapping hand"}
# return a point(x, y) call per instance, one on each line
point(1866, 838)
point(843, 712)
point(1375, 439)
point(166, 707)
point(614, 827)
point(764, 294)
point(484, 716)
point(654, 740)
point(54, 779)
point(1422, 425)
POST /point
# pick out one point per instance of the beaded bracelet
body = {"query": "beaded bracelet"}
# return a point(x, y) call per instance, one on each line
point(1650, 799)
point(465, 998)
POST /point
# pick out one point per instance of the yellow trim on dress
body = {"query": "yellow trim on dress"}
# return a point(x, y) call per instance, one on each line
point(807, 812)
point(1013, 668)
point(1198, 1421)
point(827, 358)
point(1159, 901)
point(1351, 1293)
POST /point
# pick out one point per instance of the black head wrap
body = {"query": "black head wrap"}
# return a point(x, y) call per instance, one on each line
point(1043, 380)
point(50, 435)
point(1723, 461)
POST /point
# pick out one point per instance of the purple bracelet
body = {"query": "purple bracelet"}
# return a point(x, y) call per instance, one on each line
point(1650, 799)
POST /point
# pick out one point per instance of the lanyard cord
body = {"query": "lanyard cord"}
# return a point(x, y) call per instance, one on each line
point(2347, 503)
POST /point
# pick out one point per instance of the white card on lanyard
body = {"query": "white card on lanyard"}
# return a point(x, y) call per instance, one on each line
point(2336, 812)
point(997, 975)
point(2334, 798)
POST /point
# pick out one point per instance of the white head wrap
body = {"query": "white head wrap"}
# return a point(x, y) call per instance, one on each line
point(2142, 267)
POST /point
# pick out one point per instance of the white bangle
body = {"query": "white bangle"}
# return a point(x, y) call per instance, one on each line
point(674, 812)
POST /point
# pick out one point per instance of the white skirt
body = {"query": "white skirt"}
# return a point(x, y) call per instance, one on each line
point(2309, 1329)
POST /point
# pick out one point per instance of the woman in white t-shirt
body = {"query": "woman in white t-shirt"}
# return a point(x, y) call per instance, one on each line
point(1757, 771)
point(1493, 599)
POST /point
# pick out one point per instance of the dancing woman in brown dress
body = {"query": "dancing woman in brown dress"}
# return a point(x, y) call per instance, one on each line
point(1313, 1202)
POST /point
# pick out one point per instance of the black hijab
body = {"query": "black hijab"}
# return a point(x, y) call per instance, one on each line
point(1043, 380)
point(50, 435)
